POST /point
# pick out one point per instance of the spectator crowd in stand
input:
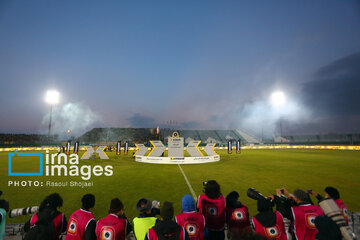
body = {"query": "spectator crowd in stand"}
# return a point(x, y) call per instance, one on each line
point(213, 217)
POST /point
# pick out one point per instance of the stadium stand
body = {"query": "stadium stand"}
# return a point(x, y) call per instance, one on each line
point(111, 135)
point(143, 135)
point(15, 140)
point(106, 135)
point(248, 138)
point(330, 139)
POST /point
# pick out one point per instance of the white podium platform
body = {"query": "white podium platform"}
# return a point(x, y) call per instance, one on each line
point(178, 160)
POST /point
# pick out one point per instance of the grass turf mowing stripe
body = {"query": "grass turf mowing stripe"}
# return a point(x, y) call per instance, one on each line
point(188, 183)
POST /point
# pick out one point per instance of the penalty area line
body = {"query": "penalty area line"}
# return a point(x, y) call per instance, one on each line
point(188, 183)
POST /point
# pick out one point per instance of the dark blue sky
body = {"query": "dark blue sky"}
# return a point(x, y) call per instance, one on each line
point(204, 64)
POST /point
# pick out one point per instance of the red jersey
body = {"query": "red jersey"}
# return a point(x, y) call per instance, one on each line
point(151, 234)
point(304, 221)
point(58, 222)
point(193, 223)
point(273, 232)
point(111, 227)
point(77, 224)
point(238, 219)
point(343, 209)
point(213, 211)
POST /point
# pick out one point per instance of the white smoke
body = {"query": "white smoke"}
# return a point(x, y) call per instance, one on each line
point(263, 119)
point(75, 117)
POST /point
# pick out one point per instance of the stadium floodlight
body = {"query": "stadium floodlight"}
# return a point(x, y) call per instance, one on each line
point(52, 98)
point(277, 98)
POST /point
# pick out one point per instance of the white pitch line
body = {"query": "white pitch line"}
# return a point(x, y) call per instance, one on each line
point(188, 183)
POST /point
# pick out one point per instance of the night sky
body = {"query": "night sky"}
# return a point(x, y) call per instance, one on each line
point(200, 64)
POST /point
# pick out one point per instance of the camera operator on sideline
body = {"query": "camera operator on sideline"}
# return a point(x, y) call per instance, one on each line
point(82, 223)
point(268, 223)
point(327, 229)
point(212, 205)
point(193, 222)
point(299, 209)
point(4, 209)
point(49, 220)
point(166, 227)
point(331, 192)
point(237, 216)
point(115, 225)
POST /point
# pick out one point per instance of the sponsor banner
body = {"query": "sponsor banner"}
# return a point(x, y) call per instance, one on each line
point(230, 147)
point(48, 148)
point(176, 147)
point(126, 148)
point(118, 148)
point(178, 160)
point(325, 147)
point(317, 147)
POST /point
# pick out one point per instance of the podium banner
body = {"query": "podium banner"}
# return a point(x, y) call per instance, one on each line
point(178, 160)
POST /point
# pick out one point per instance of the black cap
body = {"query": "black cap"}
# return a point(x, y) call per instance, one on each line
point(144, 205)
point(333, 192)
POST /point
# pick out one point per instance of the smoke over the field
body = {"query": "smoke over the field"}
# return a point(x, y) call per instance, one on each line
point(75, 117)
point(263, 119)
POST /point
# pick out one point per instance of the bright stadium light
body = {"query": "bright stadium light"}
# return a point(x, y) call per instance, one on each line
point(52, 98)
point(278, 98)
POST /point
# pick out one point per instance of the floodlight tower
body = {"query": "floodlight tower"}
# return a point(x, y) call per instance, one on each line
point(52, 98)
point(278, 99)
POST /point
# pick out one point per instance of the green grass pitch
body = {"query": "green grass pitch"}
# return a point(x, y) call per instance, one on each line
point(264, 170)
